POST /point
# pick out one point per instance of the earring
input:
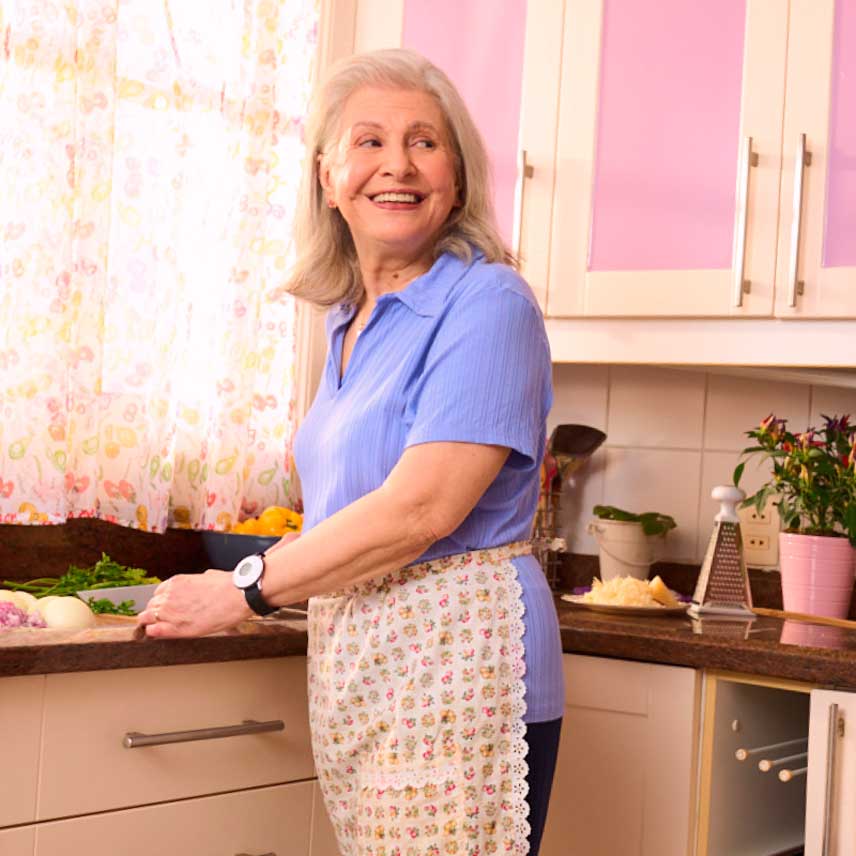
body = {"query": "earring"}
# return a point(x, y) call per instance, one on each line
point(331, 203)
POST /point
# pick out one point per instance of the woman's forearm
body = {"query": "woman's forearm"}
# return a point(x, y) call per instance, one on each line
point(368, 538)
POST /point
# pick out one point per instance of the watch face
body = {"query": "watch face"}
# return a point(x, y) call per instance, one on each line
point(248, 571)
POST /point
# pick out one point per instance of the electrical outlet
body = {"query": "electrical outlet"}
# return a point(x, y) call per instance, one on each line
point(760, 536)
point(756, 543)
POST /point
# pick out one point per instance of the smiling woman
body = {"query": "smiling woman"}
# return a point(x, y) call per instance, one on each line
point(138, 383)
point(435, 677)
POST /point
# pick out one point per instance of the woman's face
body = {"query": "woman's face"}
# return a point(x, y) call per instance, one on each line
point(392, 171)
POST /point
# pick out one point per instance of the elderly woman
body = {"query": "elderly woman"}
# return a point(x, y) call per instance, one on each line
point(434, 655)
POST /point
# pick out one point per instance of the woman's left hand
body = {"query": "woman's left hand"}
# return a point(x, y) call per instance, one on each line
point(194, 605)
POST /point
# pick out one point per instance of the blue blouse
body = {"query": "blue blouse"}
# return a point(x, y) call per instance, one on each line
point(460, 354)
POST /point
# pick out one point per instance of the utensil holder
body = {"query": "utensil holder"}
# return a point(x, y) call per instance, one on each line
point(545, 535)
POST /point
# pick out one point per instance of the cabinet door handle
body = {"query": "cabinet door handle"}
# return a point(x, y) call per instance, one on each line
point(748, 159)
point(136, 740)
point(801, 161)
point(834, 730)
point(524, 171)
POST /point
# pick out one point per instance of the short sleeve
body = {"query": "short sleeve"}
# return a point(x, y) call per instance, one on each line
point(486, 377)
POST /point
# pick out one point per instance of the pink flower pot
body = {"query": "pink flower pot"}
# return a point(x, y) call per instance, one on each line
point(817, 574)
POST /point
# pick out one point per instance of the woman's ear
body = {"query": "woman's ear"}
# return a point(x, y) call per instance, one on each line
point(323, 173)
point(326, 181)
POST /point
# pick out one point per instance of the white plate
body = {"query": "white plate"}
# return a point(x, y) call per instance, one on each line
point(139, 595)
point(616, 609)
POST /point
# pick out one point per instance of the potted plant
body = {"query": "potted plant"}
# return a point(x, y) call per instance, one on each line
point(625, 540)
point(813, 485)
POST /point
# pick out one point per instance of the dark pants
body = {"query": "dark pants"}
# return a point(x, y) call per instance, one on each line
point(543, 740)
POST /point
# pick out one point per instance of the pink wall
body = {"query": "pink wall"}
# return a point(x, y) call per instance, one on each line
point(665, 177)
point(479, 44)
point(839, 246)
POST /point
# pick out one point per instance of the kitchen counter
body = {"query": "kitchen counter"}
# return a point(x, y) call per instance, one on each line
point(765, 646)
point(111, 645)
point(768, 647)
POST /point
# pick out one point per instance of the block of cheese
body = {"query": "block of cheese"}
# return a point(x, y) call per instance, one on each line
point(661, 593)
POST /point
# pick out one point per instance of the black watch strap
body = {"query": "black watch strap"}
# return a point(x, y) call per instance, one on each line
point(256, 602)
point(254, 598)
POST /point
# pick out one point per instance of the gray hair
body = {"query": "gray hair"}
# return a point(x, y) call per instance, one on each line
point(326, 270)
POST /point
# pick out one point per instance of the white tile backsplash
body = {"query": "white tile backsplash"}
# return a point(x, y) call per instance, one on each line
point(580, 395)
point(664, 480)
point(735, 405)
point(581, 494)
point(672, 435)
point(655, 407)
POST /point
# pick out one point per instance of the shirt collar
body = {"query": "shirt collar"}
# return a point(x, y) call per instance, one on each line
point(426, 295)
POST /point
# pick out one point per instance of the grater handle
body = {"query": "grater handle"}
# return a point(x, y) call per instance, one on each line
point(727, 496)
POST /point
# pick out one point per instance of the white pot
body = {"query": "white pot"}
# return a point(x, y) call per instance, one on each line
point(625, 549)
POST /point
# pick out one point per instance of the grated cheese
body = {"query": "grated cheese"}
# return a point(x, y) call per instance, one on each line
point(621, 591)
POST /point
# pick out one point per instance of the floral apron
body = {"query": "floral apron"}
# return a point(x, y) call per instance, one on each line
point(416, 708)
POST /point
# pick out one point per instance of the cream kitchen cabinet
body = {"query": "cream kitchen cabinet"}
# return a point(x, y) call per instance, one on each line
point(646, 136)
point(625, 778)
point(90, 715)
point(830, 822)
point(816, 273)
point(21, 701)
point(206, 758)
point(656, 208)
point(274, 820)
point(657, 156)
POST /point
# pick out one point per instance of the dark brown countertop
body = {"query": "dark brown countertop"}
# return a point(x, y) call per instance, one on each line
point(112, 646)
point(766, 647)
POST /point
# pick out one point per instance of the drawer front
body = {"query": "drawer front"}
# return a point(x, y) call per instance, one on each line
point(264, 820)
point(605, 684)
point(86, 768)
point(18, 842)
point(20, 719)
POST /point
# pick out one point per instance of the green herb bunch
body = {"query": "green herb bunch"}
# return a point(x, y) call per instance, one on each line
point(813, 480)
point(105, 573)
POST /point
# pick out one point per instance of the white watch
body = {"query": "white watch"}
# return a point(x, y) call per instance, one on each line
point(247, 576)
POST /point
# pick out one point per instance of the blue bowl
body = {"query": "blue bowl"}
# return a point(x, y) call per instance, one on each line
point(226, 549)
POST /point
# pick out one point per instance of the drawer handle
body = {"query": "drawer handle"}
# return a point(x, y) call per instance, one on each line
point(524, 170)
point(802, 159)
point(835, 730)
point(261, 854)
point(748, 159)
point(136, 740)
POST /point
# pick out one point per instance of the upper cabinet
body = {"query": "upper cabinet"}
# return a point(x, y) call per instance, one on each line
point(816, 270)
point(662, 144)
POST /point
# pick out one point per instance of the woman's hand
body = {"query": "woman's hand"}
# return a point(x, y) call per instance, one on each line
point(194, 605)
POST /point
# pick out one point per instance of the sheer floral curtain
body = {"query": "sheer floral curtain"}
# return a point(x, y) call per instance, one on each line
point(149, 159)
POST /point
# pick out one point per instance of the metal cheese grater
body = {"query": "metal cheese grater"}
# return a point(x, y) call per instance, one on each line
point(723, 584)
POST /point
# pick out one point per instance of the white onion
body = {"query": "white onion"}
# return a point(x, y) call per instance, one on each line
point(22, 599)
point(42, 602)
point(68, 613)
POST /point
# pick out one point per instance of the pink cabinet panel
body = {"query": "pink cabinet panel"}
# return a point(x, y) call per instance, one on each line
point(479, 44)
point(839, 246)
point(665, 171)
